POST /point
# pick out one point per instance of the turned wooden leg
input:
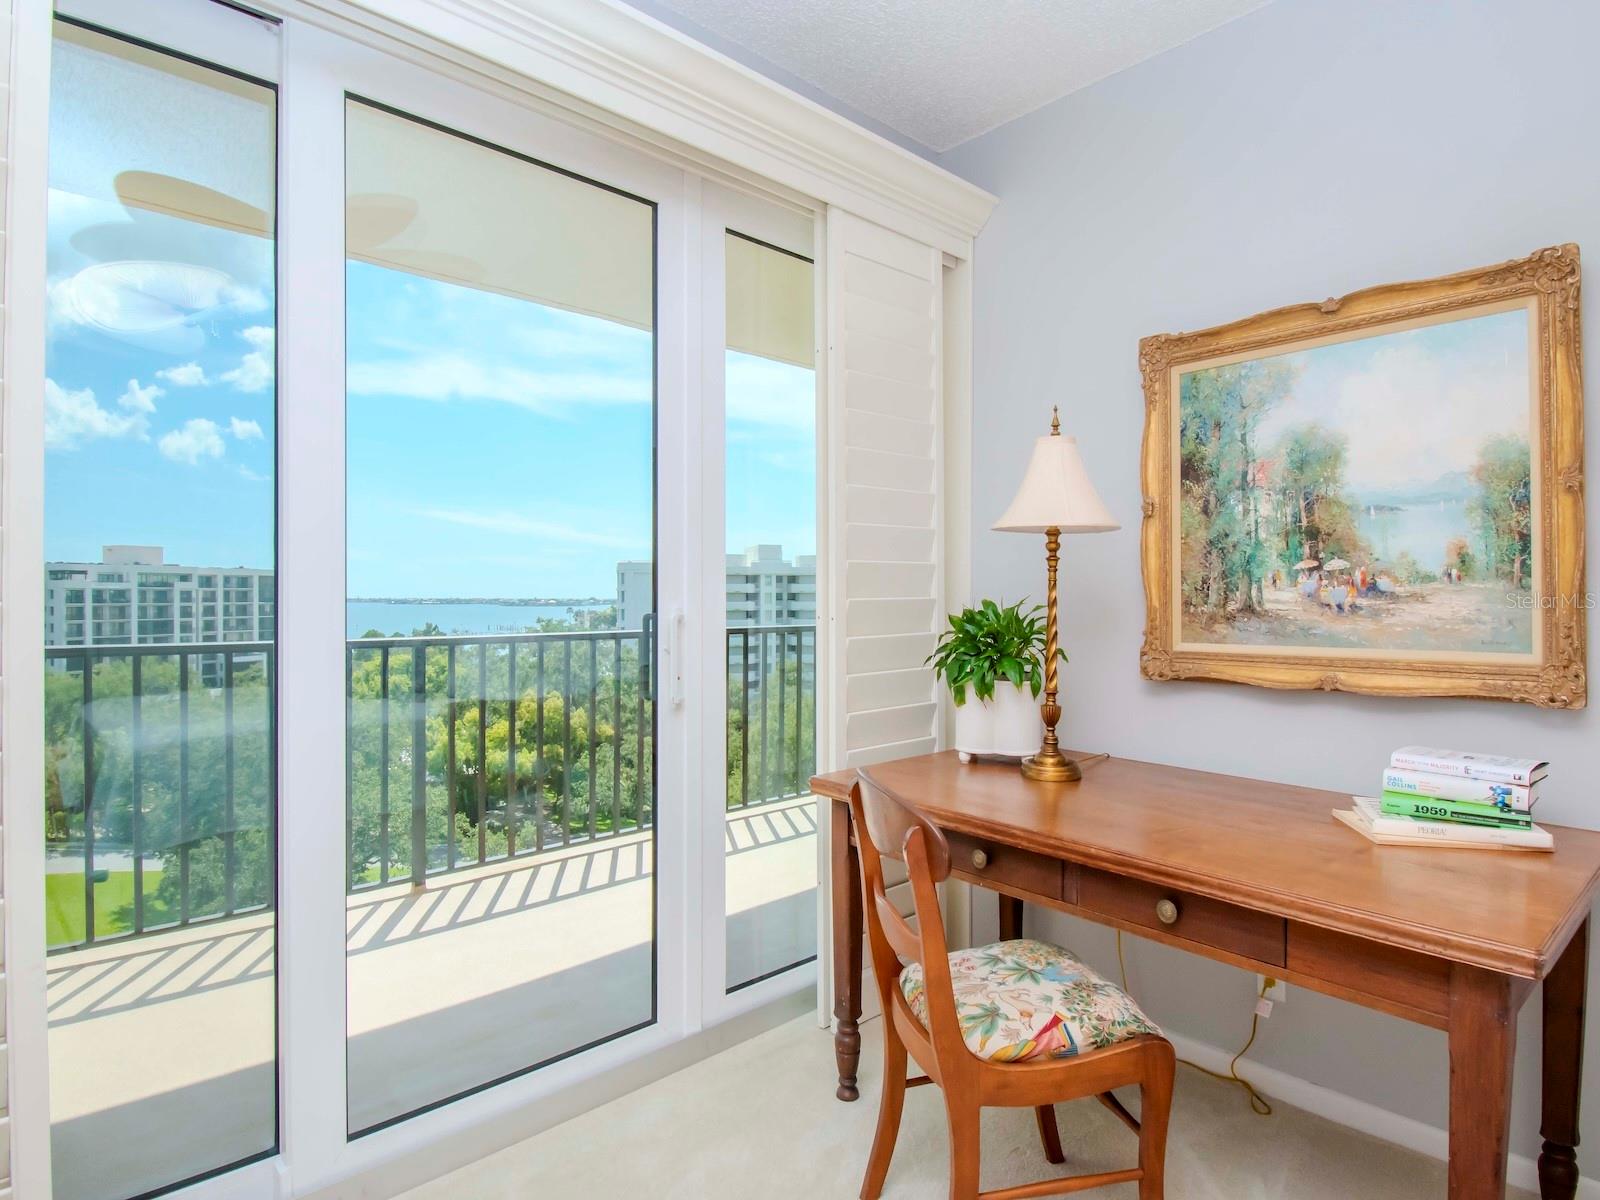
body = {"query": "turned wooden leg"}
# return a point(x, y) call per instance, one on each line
point(1483, 1040)
point(846, 894)
point(1049, 1133)
point(1010, 918)
point(1564, 1000)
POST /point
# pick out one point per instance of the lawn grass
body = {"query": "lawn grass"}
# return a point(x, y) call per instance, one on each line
point(113, 905)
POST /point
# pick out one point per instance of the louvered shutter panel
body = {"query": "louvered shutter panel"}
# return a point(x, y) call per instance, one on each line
point(884, 405)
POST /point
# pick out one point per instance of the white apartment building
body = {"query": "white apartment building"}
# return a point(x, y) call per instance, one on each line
point(763, 588)
point(132, 596)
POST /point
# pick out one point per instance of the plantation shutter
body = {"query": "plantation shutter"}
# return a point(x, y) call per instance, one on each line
point(884, 404)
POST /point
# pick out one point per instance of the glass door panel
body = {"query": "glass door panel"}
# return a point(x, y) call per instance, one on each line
point(160, 615)
point(500, 779)
point(771, 454)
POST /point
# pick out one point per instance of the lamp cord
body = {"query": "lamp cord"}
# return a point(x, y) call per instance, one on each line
point(1258, 1103)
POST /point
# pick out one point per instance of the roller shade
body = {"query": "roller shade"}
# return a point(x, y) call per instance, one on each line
point(771, 307)
point(434, 204)
point(157, 134)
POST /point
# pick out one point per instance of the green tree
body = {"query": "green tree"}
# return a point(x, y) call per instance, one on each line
point(1222, 480)
point(1502, 508)
point(1316, 517)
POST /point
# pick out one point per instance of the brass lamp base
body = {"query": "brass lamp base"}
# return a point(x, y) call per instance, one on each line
point(1051, 766)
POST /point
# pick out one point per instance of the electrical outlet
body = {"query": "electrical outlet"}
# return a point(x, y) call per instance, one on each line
point(1277, 993)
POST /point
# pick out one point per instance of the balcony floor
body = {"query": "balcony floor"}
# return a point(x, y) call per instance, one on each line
point(163, 1046)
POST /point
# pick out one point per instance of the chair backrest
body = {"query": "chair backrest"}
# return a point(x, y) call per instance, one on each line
point(889, 825)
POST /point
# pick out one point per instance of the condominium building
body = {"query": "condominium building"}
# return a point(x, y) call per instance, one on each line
point(763, 588)
point(133, 596)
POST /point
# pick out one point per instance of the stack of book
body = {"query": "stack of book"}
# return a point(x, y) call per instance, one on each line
point(1452, 798)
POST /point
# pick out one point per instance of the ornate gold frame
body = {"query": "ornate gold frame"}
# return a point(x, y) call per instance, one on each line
point(1555, 677)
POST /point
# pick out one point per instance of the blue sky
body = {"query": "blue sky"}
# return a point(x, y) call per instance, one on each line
point(496, 447)
point(159, 393)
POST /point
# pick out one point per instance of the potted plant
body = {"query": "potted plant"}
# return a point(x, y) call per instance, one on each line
point(999, 653)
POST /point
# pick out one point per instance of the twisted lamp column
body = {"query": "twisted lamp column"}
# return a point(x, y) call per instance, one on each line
point(1050, 765)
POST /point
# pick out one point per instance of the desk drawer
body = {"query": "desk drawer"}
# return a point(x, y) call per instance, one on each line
point(1255, 935)
point(1005, 867)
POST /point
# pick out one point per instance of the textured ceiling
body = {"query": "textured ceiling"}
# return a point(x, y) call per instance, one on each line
point(942, 71)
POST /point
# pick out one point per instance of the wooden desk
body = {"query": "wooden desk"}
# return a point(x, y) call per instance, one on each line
point(1262, 877)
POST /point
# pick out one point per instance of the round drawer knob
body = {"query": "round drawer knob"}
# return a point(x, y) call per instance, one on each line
point(1167, 912)
point(980, 859)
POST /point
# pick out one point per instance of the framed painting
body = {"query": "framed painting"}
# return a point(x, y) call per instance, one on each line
point(1381, 493)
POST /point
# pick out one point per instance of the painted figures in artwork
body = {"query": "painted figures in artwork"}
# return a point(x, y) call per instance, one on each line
point(1374, 493)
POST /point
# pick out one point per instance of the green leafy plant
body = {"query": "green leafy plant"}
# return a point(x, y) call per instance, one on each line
point(989, 643)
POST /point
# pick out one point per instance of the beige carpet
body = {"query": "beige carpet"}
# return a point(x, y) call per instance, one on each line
point(759, 1122)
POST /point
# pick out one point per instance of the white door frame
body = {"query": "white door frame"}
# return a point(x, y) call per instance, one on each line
point(321, 68)
point(795, 228)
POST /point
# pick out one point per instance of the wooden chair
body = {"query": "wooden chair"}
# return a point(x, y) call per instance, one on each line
point(886, 823)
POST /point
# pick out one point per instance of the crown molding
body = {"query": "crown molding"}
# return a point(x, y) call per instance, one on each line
point(622, 61)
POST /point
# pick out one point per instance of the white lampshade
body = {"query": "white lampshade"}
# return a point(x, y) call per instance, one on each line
point(1056, 494)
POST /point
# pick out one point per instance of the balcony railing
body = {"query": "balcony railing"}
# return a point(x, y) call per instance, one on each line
point(461, 751)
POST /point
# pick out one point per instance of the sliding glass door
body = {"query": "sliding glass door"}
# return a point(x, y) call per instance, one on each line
point(430, 720)
point(160, 611)
point(770, 390)
point(500, 340)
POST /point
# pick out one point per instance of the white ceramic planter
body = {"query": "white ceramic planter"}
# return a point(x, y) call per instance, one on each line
point(1008, 726)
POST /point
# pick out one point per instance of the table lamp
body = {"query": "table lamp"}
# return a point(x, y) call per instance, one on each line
point(1056, 497)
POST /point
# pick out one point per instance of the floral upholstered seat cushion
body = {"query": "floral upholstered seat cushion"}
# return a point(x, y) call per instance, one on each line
point(1026, 999)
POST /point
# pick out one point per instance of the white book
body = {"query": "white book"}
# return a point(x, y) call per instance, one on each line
point(1519, 797)
point(1370, 812)
point(1498, 767)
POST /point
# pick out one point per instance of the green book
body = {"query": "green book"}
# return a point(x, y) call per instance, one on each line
point(1404, 804)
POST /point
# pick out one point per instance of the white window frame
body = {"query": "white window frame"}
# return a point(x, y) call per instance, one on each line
point(795, 228)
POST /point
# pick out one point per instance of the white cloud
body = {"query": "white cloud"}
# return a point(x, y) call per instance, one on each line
point(243, 430)
point(254, 476)
point(197, 438)
point(241, 297)
point(253, 373)
point(72, 418)
point(140, 399)
point(454, 377)
point(527, 527)
point(189, 374)
point(260, 336)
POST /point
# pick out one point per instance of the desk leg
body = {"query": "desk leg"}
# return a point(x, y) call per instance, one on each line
point(1010, 917)
point(846, 884)
point(1483, 1040)
point(1564, 1001)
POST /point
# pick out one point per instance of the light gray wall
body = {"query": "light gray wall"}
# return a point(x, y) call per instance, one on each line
point(5, 111)
point(1309, 149)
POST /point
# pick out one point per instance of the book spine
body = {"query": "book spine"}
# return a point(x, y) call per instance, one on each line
point(1402, 804)
point(1464, 768)
point(1468, 835)
point(1456, 787)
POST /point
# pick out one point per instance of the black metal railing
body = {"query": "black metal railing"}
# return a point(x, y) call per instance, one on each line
point(461, 751)
point(158, 789)
point(466, 750)
point(772, 686)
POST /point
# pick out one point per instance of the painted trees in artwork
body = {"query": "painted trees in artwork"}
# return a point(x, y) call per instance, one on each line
point(1222, 478)
point(1502, 508)
point(1316, 517)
